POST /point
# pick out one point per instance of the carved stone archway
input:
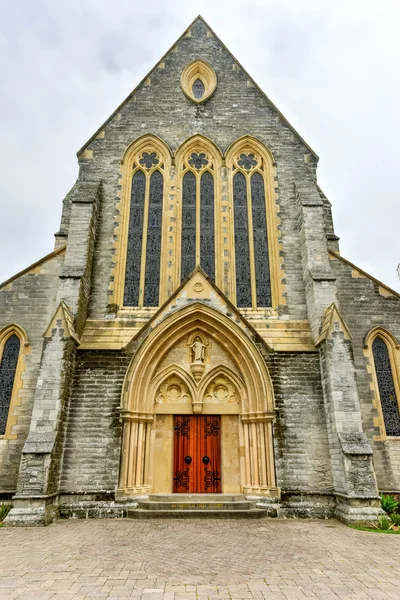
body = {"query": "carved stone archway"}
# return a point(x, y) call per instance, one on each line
point(243, 391)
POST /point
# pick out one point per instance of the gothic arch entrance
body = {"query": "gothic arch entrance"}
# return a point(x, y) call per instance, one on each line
point(197, 361)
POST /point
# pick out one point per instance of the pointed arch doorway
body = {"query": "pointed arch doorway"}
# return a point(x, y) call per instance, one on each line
point(197, 368)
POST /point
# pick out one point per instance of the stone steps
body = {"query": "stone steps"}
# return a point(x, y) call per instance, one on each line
point(253, 513)
point(215, 506)
point(245, 505)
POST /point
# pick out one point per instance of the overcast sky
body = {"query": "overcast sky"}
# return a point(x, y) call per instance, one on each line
point(332, 68)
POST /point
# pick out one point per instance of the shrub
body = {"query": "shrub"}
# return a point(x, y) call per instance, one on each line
point(4, 510)
point(395, 518)
point(389, 503)
point(384, 523)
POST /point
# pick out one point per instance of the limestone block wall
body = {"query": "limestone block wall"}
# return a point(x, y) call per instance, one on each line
point(161, 108)
point(93, 439)
point(92, 451)
point(28, 301)
point(301, 444)
point(364, 305)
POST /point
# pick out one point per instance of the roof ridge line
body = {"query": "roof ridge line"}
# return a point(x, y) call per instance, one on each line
point(255, 84)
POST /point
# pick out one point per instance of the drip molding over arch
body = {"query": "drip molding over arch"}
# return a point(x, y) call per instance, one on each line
point(200, 146)
point(255, 409)
point(216, 325)
point(198, 69)
point(264, 163)
point(131, 158)
point(393, 347)
point(5, 334)
point(386, 335)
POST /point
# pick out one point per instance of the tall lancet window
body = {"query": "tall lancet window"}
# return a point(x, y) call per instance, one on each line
point(387, 387)
point(253, 282)
point(142, 275)
point(198, 214)
point(9, 354)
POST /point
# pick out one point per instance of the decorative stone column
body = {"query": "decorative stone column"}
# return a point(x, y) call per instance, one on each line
point(259, 467)
point(135, 456)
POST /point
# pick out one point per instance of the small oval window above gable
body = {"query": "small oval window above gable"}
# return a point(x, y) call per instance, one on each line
point(198, 81)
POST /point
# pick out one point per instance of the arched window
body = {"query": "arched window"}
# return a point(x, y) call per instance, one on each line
point(10, 374)
point(257, 264)
point(253, 283)
point(143, 258)
point(198, 212)
point(386, 385)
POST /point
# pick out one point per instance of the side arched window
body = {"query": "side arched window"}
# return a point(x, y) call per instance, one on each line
point(143, 260)
point(9, 355)
point(386, 386)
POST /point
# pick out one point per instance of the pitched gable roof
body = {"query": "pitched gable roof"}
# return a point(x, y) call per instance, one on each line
point(251, 80)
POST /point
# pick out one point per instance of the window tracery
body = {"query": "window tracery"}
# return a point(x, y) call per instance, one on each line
point(143, 260)
point(13, 346)
point(8, 367)
point(386, 386)
point(252, 270)
point(198, 213)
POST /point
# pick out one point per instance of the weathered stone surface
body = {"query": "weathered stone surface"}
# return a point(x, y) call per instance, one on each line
point(330, 455)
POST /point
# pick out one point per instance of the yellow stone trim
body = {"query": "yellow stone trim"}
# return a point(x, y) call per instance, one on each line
point(393, 347)
point(198, 69)
point(86, 155)
point(5, 334)
point(384, 291)
point(172, 217)
point(281, 336)
point(63, 313)
point(356, 274)
point(267, 168)
point(256, 408)
point(332, 321)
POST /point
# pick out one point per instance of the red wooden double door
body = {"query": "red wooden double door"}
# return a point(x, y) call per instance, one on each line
point(197, 454)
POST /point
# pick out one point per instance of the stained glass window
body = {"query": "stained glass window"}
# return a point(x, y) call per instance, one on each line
point(198, 89)
point(207, 253)
point(387, 390)
point(135, 234)
point(188, 248)
point(153, 247)
point(8, 367)
point(261, 260)
point(242, 253)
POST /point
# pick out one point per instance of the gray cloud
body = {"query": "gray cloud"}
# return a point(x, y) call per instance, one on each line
point(331, 68)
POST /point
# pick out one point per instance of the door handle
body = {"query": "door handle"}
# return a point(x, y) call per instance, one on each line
point(206, 460)
point(188, 460)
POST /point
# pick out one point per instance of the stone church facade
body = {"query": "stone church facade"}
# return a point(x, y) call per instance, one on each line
point(195, 328)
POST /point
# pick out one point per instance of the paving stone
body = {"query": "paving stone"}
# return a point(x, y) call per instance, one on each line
point(287, 560)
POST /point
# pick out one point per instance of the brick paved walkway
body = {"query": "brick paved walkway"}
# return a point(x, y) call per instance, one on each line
point(197, 560)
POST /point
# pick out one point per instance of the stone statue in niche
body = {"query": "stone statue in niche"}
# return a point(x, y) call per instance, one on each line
point(198, 351)
point(197, 358)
